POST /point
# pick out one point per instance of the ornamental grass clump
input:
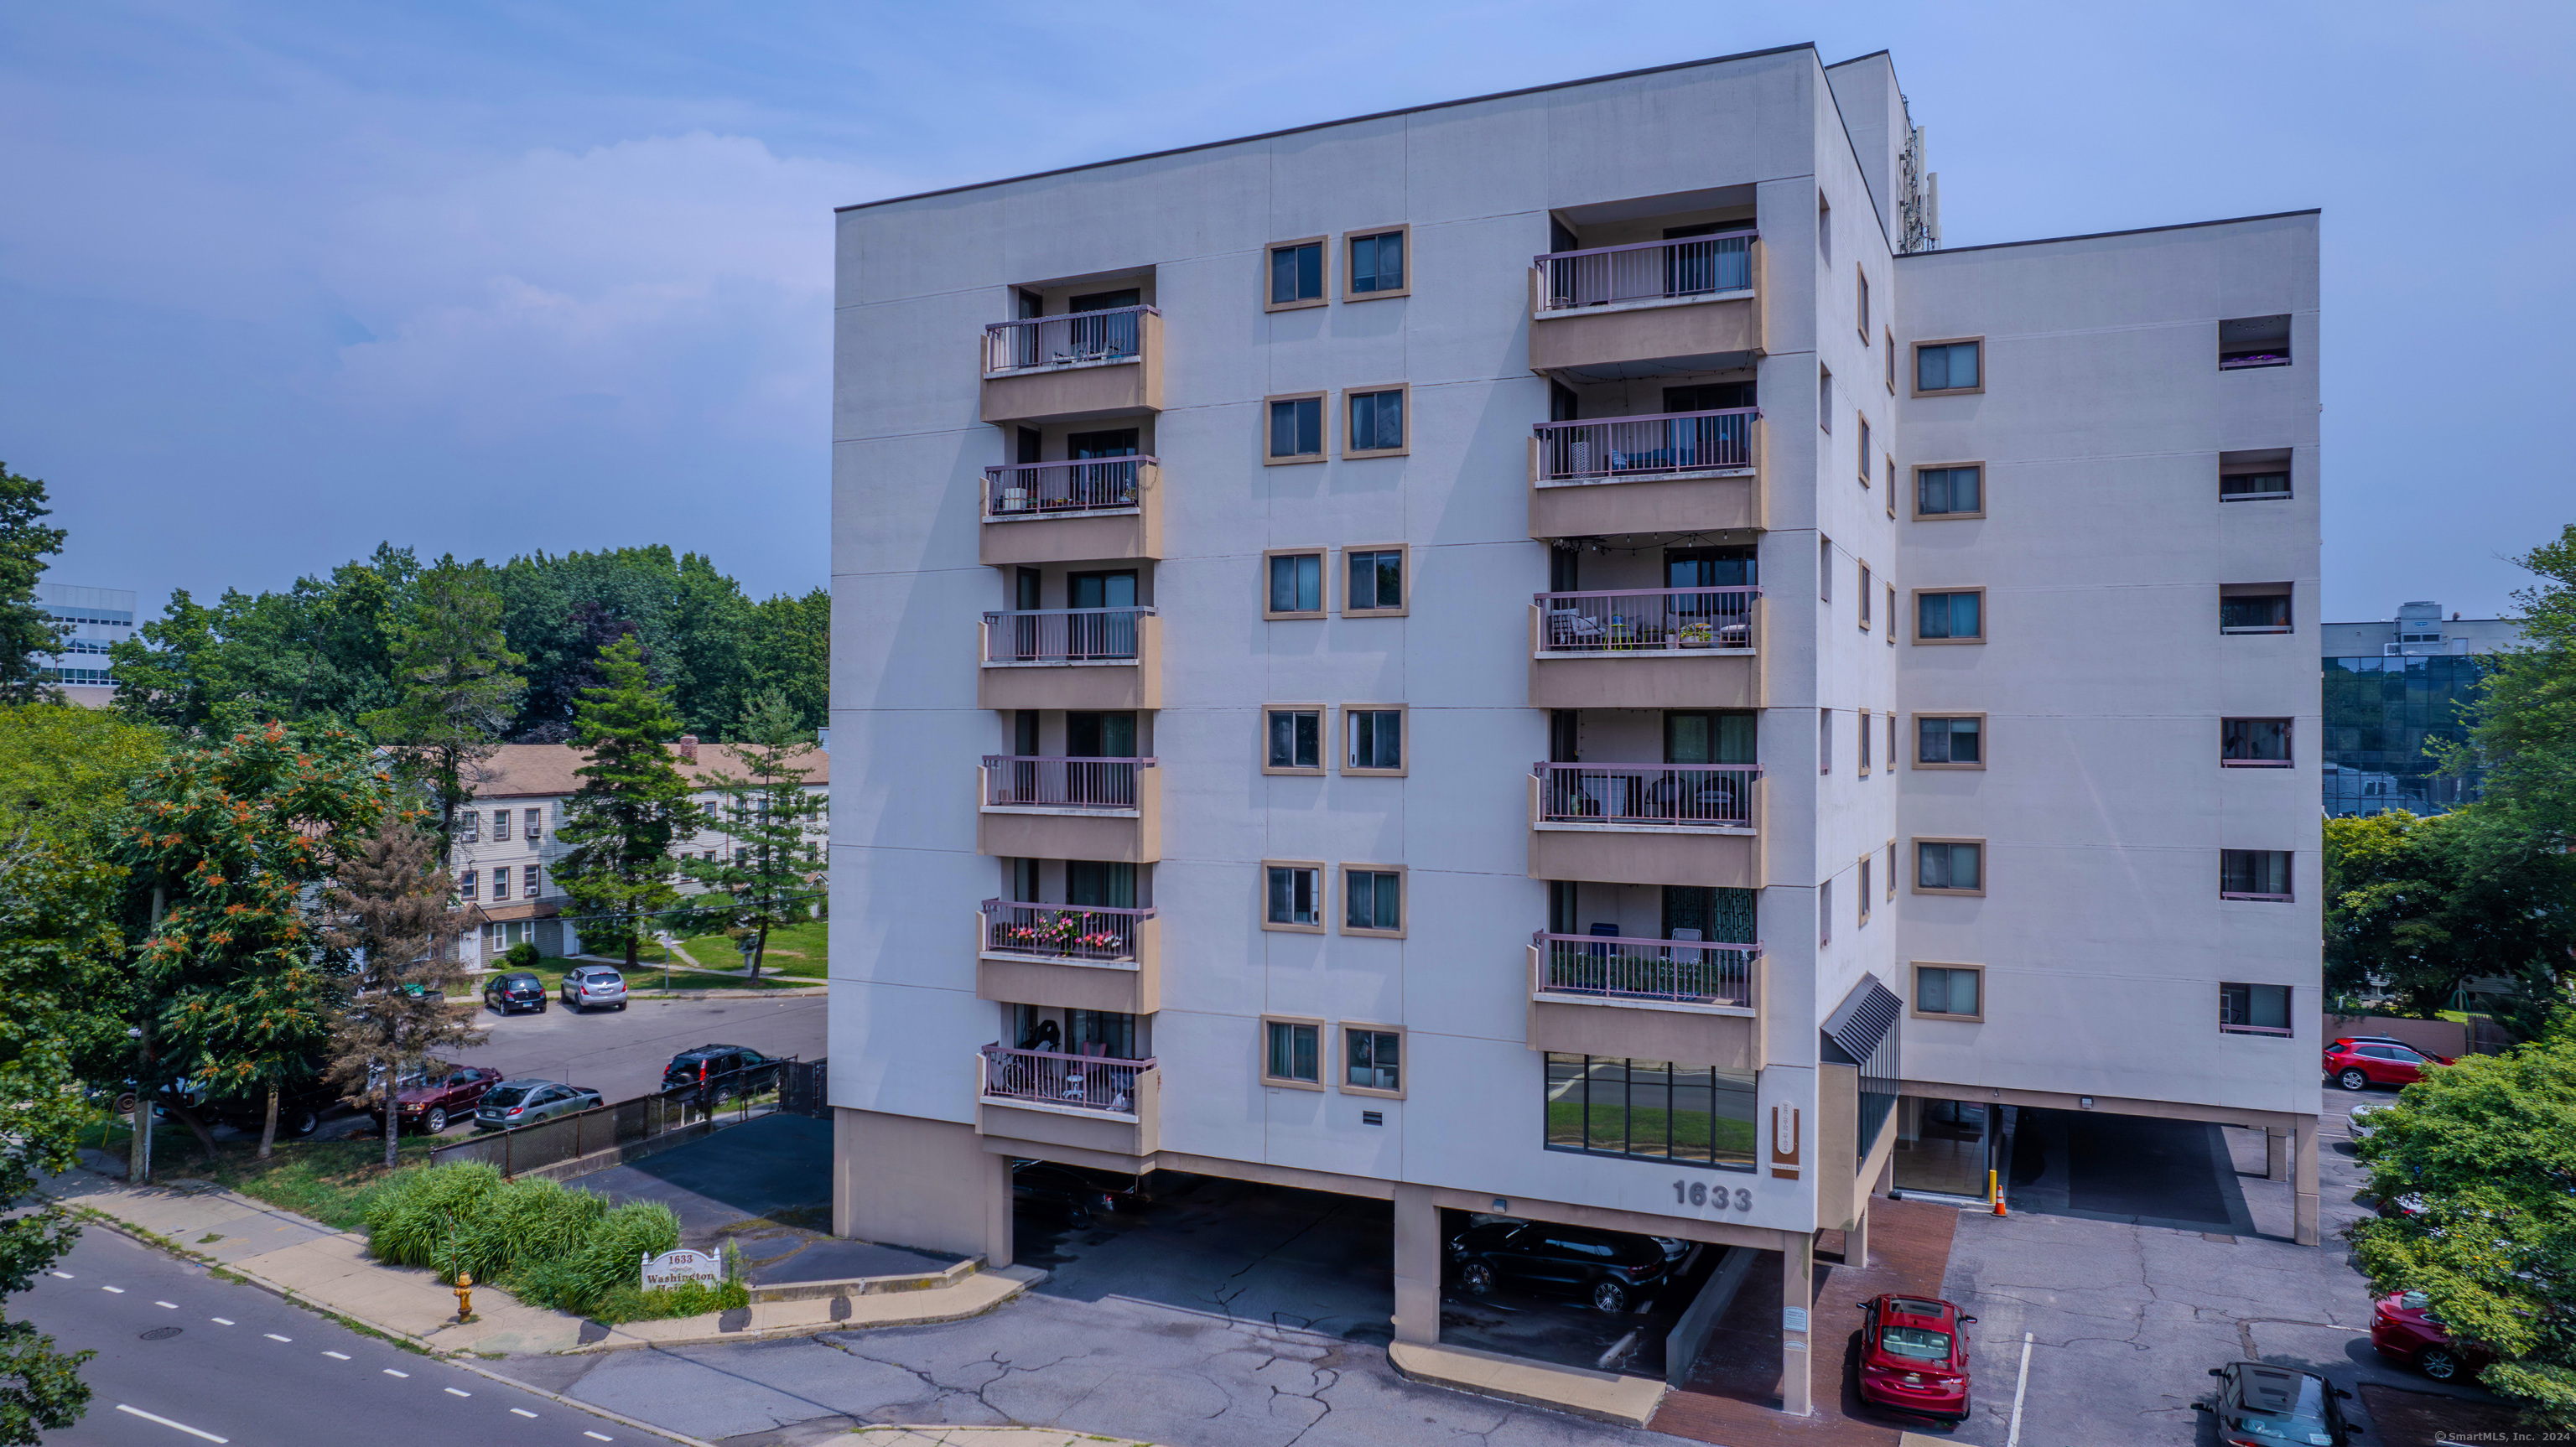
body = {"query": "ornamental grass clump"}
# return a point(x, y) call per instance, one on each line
point(547, 1244)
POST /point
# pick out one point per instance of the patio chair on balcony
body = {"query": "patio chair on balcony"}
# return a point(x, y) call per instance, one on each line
point(1571, 629)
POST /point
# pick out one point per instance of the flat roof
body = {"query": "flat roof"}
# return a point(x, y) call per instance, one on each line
point(2100, 235)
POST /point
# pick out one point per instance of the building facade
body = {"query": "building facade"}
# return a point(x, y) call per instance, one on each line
point(93, 619)
point(2392, 688)
point(1551, 655)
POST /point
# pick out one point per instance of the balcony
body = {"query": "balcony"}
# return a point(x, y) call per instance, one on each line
point(1670, 472)
point(1084, 1102)
point(1075, 366)
point(1645, 823)
point(1649, 648)
point(1079, 957)
point(1078, 658)
point(1650, 999)
point(1035, 807)
point(1647, 309)
point(1059, 512)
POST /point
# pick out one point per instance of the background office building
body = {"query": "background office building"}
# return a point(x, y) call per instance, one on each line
point(93, 618)
point(2393, 687)
point(1553, 655)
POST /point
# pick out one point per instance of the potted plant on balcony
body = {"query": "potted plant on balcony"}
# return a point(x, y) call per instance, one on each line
point(1100, 943)
point(1056, 935)
point(1697, 634)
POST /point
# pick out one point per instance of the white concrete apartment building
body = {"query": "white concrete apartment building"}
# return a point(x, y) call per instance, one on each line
point(94, 619)
point(1547, 655)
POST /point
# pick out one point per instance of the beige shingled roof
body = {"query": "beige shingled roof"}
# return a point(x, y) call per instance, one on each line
point(529, 771)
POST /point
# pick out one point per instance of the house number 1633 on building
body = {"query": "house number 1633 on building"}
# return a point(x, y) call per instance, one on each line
point(1699, 1193)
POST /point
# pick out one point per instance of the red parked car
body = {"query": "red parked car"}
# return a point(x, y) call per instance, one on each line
point(2359, 1061)
point(447, 1093)
point(1914, 1356)
point(2405, 1329)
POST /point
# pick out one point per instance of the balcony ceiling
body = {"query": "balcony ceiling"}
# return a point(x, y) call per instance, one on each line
point(1601, 213)
point(1652, 366)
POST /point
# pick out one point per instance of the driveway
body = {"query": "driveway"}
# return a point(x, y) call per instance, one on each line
point(620, 1053)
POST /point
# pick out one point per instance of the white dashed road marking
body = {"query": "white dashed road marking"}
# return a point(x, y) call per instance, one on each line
point(174, 1306)
point(344, 1356)
point(602, 1436)
point(221, 1320)
point(392, 1373)
point(522, 1411)
point(119, 1290)
point(65, 1275)
point(272, 1336)
point(166, 1422)
point(455, 1393)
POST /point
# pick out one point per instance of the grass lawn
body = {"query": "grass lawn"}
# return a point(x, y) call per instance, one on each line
point(330, 1181)
point(797, 949)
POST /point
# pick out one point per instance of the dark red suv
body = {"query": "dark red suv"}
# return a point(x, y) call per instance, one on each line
point(2357, 1062)
point(2405, 1329)
point(448, 1093)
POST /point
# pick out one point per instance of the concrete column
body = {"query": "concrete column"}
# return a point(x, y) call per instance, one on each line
point(2276, 1153)
point(2303, 1182)
point(1417, 1266)
point(1797, 1286)
point(1886, 1183)
point(926, 1184)
point(1856, 1240)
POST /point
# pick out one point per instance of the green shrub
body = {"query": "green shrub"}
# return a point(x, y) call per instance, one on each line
point(521, 956)
point(417, 1213)
point(631, 1303)
point(545, 1243)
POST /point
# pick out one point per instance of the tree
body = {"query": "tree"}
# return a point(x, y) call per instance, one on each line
point(393, 916)
point(2489, 1146)
point(458, 689)
point(2420, 906)
point(632, 804)
point(790, 649)
point(159, 677)
point(765, 879)
point(26, 631)
point(2523, 728)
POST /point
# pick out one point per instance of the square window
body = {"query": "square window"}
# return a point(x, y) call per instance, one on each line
point(1950, 492)
point(1949, 367)
point(1373, 739)
point(2258, 874)
point(1373, 1060)
point(2254, 743)
point(1295, 890)
point(2245, 342)
point(2254, 608)
point(1950, 617)
point(2254, 1009)
point(1295, 429)
point(1373, 581)
point(1377, 265)
point(1825, 397)
point(1373, 900)
point(1949, 741)
point(1296, 275)
point(1292, 739)
point(1294, 584)
point(1949, 866)
point(1950, 992)
point(1650, 1110)
point(1376, 424)
point(1292, 1053)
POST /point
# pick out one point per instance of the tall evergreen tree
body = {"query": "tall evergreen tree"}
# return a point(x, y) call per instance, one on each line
point(392, 913)
point(26, 632)
point(633, 803)
point(459, 690)
point(773, 868)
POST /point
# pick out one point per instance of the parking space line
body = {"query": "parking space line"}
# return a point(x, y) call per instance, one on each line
point(2020, 1385)
point(166, 1422)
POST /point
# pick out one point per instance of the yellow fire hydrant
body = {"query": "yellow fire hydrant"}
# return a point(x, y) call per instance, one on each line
point(465, 1296)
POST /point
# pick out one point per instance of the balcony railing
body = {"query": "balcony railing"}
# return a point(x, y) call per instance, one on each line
point(1647, 795)
point(1038, 781)
point(1616, 448)
point(1082, 934)
point(1044, 1077)
point(1647, 271)
point(1650, 619)
point(1072, 340)
point(1617, 967)
point(1062, 635)
point(1056, 489)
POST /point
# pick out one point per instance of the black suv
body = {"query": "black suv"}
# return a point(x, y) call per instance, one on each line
point(513, 992)
point(2261, 1402)
point(1607, 1268)
point(300, 1105)
point(720, 1072)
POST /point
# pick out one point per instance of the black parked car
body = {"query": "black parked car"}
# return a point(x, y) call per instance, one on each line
point(1607, 1268)
point(513, 992)
point(720, 1072)
point(1077, 1193)
point(2259, 1402)
point(299, 1107)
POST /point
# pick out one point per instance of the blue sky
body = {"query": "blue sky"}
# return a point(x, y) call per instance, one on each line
point(278, 281)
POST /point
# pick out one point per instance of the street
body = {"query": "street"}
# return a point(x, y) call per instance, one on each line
point(620, 1053)
point(184, 1358)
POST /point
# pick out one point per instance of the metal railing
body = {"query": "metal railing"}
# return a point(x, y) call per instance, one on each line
point(1095, 933)
point(1647, 795)
point(1620, 967)
point(1113, 335)
point(1647, 270)
point(1063, 635)
point(739, 1096)
point(1618, 447)
point(1040, 489)
point(1089, 1082)
point(1646, 618)
point(1029, 780)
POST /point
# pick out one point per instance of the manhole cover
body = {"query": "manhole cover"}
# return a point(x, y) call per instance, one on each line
point(161, 1333)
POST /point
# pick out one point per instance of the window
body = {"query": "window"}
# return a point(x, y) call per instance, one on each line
point(2253, 342)
point(1296, 275)
point(1864, 888)
point(1949, 866)
point(500, 885)
point(1824, 397)
point(1373, 900)
point(1949, 492)
point(2262, 874)
point(1864, 749)
point(1373, 740)
point(1824, 741)
point(2254, 743)
point(534, 882)
point(1296, 584)
point(1825, 913)
point(536, 822)
point(1377, 266)
point(2253, 486)
point(1292, 739)
point(2254, 1009)
point(1890, 491)
point(1374, 581)
point(1888, 335)
point(469, 826)
point(1825, 569)
point(500, 825)
point(1864, 307)
point(1891, 738)
point(465, 884)
point(1294, 1053)
point(1296, 429)
point(1824, 227)
point(1864, 448)
point(1650, 1109)
point(1950, 992)
point(1373, 1060)
point(1892, 629)
point(1950, 617)
point(1376, 424)
point(1296, 890)
point(1949, 367)
point(2254, 608)
point(1864, 597)
point(1949, 741)
point(1891, 863)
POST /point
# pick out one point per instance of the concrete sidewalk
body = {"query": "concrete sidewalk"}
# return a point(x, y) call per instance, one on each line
point(308, 1262)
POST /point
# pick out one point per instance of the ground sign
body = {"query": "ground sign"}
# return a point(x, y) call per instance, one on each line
point(678, 1268)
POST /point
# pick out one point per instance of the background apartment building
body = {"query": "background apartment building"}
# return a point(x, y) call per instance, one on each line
point(2392, 687)
point(1544, 655)
point(93, 619)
